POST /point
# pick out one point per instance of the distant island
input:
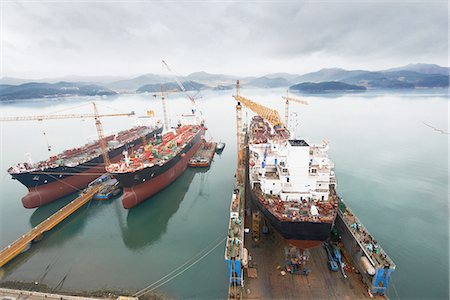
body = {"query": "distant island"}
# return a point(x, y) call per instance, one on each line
point(170, 86)
point(34, 90)
point(412, 76)
point(327, 87)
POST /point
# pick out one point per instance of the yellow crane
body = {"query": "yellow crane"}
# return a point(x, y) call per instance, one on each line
point(286, 107)
point(271, 115)
point(95, 115)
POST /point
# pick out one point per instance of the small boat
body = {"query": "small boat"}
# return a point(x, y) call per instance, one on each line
point(220, 146)
point(199, 162)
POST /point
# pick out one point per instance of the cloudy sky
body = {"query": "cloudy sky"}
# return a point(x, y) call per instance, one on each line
point(57, 38)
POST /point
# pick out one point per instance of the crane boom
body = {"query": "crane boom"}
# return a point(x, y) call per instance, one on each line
point(95, 115)
point(57, 117)
point(179, 83)
point(269, 114)
point(286, 107)
point(288, 98)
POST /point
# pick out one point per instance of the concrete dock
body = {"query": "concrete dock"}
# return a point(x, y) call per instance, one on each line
point(268, 255)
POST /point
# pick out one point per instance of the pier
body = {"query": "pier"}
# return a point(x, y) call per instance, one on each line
point(35, 234)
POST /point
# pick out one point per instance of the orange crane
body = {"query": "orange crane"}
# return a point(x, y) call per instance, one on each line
point(95, 115)
point(286, 107)
point(269, 114)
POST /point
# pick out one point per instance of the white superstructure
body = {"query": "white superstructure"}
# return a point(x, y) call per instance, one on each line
point(291, 174)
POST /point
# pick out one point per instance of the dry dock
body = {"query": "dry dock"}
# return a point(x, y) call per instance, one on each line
point(267, 257)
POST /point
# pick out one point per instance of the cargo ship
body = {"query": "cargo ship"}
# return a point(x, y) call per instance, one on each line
point(153, 166)
point(74, 169)
point(292, 183)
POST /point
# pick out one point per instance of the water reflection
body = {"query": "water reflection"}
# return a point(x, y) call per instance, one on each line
point(146, 223)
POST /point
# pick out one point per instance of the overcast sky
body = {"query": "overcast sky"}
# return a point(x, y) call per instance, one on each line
point(57, 38)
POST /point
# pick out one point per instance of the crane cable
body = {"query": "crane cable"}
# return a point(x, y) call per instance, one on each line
point(157, 283)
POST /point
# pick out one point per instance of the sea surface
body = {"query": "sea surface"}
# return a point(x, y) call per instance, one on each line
point(391, 166)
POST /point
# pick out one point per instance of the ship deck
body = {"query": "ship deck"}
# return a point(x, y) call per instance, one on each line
point(204, 155)
point(321, 283)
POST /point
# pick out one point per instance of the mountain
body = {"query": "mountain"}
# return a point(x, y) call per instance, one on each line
point(265, 82)
point(208, 78)
point(287, 76)
point(221, 87)
point(101, 80)
point(327, 87)
point(50, 90)
point(137, 82)
point(170, 86)
point(13, 80)
point(423, 68)
point(333, 74)
point(398, 79)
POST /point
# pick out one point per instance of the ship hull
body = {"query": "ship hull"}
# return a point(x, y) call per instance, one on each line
point(303, 235)
point(142, 184)
point(51, 184)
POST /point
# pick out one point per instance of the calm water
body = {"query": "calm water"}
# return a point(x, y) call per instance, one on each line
point(392, 170)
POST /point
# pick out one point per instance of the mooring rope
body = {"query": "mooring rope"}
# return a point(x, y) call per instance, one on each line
point(152, 286)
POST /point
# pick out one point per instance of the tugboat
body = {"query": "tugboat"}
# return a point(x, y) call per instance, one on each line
point(219, 147)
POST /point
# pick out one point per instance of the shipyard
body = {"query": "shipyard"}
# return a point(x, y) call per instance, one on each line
point(269, 254)
point(224, 150)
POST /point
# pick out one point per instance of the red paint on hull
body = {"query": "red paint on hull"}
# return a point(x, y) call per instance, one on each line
point(46, 193)
point(139, 193)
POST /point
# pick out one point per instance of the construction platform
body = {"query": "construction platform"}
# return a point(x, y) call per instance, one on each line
point(35, 234)
point(263, 278)
point(204, 155)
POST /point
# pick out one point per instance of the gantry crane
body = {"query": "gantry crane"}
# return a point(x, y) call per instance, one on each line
point(95, 115)
point(286, 107)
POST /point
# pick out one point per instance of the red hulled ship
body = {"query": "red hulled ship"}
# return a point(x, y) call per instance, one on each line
point(153, 166)
point(72, 170)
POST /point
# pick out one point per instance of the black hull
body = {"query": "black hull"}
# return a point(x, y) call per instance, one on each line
point(132, 179)
point(143, 184)
point(35, 179)
point(299, 231)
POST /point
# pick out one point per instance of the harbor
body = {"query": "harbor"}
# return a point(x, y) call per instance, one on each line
point(147, 237)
